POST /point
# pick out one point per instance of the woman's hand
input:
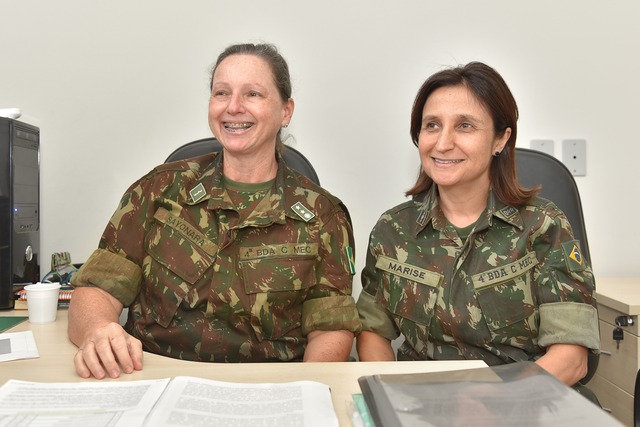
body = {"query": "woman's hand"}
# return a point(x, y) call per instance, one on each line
point(104, 347)
point(567, 362)
point(108, 350)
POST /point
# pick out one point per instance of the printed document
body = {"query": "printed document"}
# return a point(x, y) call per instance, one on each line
point(192, 401)
point(125, 403)
point(183, 401)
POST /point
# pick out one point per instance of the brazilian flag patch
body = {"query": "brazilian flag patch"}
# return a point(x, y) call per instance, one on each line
point(573, 256)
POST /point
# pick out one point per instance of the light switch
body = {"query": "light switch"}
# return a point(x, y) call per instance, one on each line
point(574, 156)
point(544, 145)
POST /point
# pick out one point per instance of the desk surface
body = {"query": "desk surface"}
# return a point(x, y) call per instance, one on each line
point(619, 293)
point(56, 365)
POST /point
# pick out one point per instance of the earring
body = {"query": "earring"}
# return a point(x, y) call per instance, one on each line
point(286, 125)
point(496, 154)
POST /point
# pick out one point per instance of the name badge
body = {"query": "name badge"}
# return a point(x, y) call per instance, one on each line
point(188, 231)
point(408, 271)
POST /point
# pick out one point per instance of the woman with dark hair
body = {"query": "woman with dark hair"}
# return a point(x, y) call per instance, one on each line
point(229, 257)
point(475, 266)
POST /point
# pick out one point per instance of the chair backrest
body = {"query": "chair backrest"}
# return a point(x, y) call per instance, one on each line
point(558, 185)
point(294, 159)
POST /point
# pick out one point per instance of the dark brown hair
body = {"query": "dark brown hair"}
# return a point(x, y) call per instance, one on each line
point(492, 92)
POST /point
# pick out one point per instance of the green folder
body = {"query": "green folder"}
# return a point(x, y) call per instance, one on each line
point(7, 322)
point(363, 410)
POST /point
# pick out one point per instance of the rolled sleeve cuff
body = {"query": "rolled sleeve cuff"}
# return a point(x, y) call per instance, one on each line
point(330, 314)
point(112, 273)
point(374, 317)
point(569, 323)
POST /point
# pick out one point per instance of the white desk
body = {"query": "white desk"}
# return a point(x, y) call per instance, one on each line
point(56, 365)
point(619, 293)
point(614, 381)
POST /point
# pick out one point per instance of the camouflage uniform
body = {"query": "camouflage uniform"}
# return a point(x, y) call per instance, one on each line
point(203, 282)
point(515, 286)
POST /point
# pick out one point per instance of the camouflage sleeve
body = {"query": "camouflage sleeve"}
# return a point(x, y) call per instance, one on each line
point(330, 314)
point(565, 286)
point(127, 228)
point(330, 305)
point(373, 313)
point(115, 266)
point(375, 318)
point(112, 273)
point(569, 323)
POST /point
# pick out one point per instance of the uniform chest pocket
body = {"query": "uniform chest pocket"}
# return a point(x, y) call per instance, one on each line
point(178, 258)
point(506, 297)
point(277, 287)
point(410, 291)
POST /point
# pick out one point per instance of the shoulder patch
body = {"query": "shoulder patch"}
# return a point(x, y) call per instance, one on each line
point(508, 211)
point(573, 256)
point(197, 193)
point(303, 212)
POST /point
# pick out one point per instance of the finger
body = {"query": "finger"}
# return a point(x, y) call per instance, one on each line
point(135, 350)
point(92, 361)
point(81, 368)
point(122, 351)
point(105, 357)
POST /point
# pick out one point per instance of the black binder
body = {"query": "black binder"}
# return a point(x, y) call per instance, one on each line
point(521, 394)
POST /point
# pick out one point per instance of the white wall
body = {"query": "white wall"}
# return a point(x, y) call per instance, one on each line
point(116, 85)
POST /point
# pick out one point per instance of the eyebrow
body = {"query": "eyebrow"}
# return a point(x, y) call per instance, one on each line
point(464, 117)
point(248, 85)
point(470, 118)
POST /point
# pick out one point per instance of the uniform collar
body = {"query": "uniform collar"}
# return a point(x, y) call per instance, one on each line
point(429, 212)
point(275, 208)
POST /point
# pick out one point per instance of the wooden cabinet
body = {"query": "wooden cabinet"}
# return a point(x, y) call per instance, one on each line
point(614, 381)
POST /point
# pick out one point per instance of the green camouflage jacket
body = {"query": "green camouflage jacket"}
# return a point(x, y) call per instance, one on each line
point(204, 283)
point(516, 285)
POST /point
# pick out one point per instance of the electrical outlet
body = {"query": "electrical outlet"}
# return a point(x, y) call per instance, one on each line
point(544, 145)
point(574, 156)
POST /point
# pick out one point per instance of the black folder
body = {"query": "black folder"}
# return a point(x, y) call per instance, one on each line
point(517, 394)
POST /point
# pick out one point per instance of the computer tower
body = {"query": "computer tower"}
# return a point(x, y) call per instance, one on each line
point(19, 207)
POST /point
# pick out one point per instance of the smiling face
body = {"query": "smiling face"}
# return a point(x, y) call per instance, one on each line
point(457, 140)
point(246, 110)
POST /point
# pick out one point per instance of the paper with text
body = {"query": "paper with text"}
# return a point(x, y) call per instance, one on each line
point(124, 403)
point(183, 401)
point(192, 401)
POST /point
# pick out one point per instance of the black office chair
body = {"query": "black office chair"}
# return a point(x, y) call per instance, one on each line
point(292, 157)
point(558, 185)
